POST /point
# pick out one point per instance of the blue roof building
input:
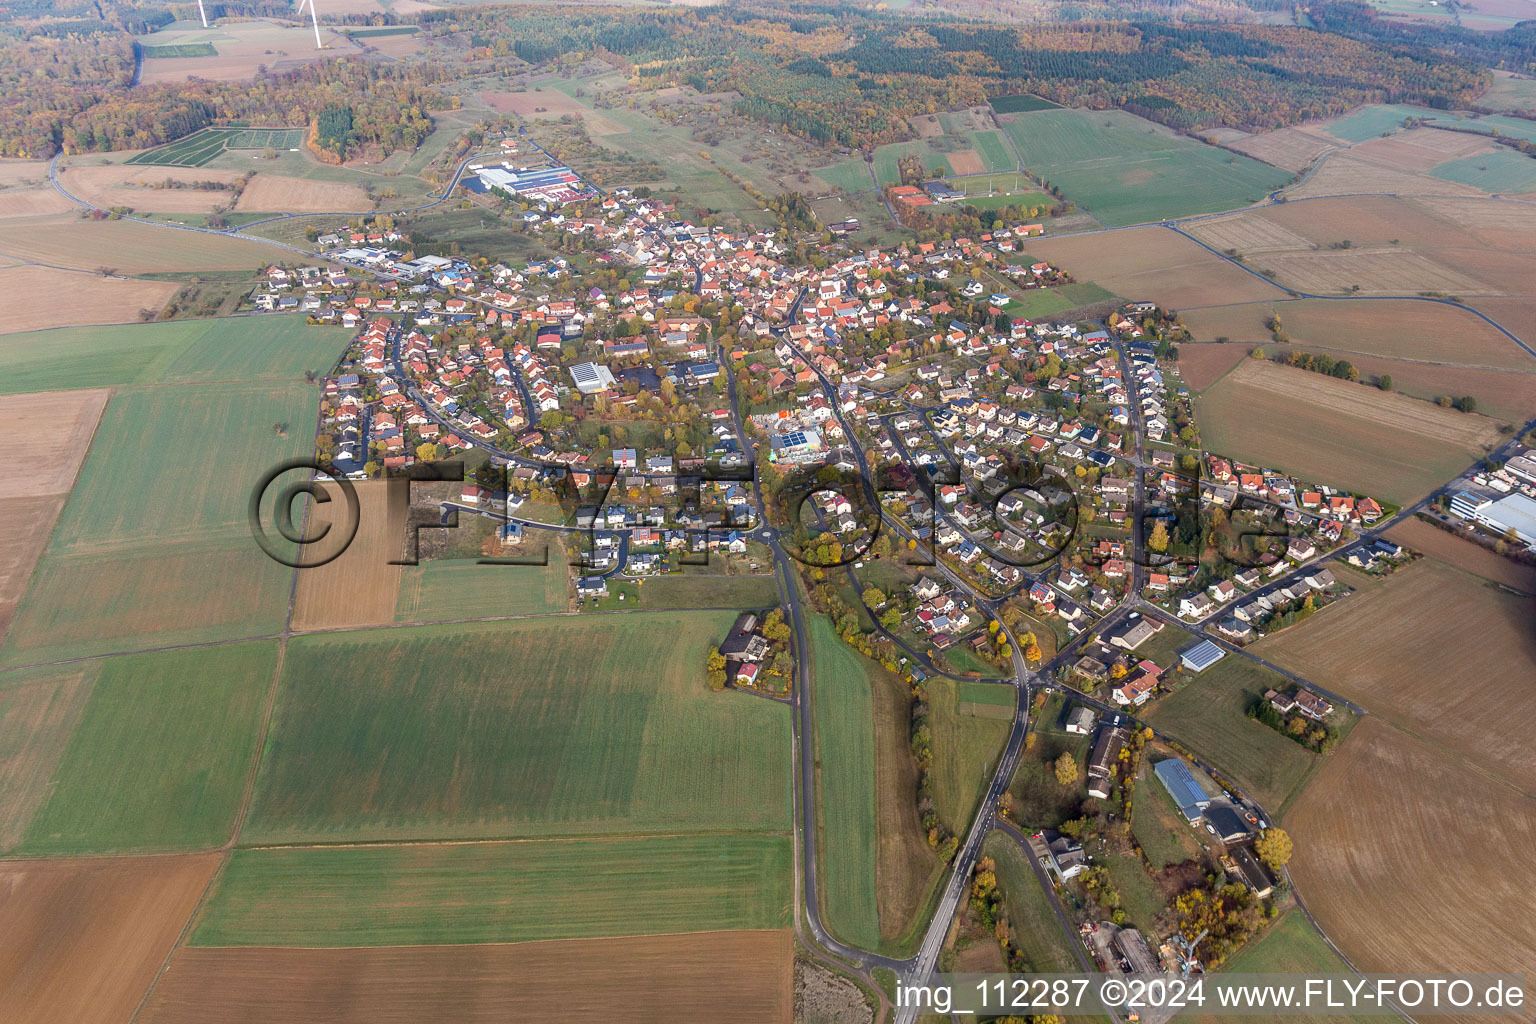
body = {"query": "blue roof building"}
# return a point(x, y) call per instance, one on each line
point(1182, 785)
point(1202, 656)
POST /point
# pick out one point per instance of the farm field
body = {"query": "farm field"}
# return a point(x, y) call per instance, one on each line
point(241, 49)
point(1352, 174)
point(58, 428)
point(359, 587)
point(741, 975)
point(1406, 329)
point(84, 938)
point(1372, 857)
point(1510, 92)
point(452, 894)
point(134, 778)
point(65, 240)
point(38, 710)
point(691, 590)
point(440, 589)
point(965, 749)
point(248, 348)
point(1375, 120)
point(1291, 149)
point(1396, 649)
point(1126, 170)
point(543, 727)
point(1209, 715)
point(1334, 432)
point(93, 299)
point(30, 202)
point(846, 788)
point(1464, 554)
point(153, 549)
point(1035, 927)
point(1154, 264)
point(1203, 364)
point(1421, 150)
point(109, 185)
point(1021, 103)
point(1502, 171)
point(1290, 946)
point(271, 193)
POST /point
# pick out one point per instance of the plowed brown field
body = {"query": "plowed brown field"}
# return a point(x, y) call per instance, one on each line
point(360, 587)
point(84, 938)
point(1413, 862)
point(742, 977)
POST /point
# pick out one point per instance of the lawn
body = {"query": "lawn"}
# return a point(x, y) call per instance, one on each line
point(247, 348)
point(1035, 928)
point(965, 750)
point(1126, 170)
point(1160, 829)
point(1209, 716)
point(158, 759)
point(1502, 171)
point(531, 728)
point(843, 706)
point(1039, 801)
point(499, 892)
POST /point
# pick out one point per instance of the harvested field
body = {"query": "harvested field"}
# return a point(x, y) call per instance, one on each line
point(1508, 395)
point(23, 173)
point(58, 428)
point(270, 193)
point(1374, 860)
point(38, 710)
point(360, 587)
point(1345, 174)
point(84, 938)
point(1291, 149)
point(464, 893)
point(1392, 271)
point(1203, 365)
point(1464, 554)
point(1431, 629)
point(551, 103)
point(65, 240)
point(1155, 264)
point(740, 976)
point(1395, 328)
point(32, 202)
point(1331, 431)
point(112, 185)
point(1422, 149)
point(966, 161)
point(77, 298)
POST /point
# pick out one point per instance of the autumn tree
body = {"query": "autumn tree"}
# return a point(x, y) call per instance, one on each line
point(1273, 847)
point(1158, 542)
point(1066, 769)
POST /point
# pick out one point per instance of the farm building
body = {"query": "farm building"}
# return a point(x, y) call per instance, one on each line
point(1202, 656)
point(1182, 785)
point(1254, 875)
point(1229, 825)
point(1101, 762)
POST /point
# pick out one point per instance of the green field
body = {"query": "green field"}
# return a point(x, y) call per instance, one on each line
point(1007, 199)
point(851, 175)
point(1035, 927)
point(1209, 716)
point(1510, 93)
point(197, 149)
point(459, 588)
point(1503, 171)
point(843, 707)
point(159, 756)
point(994, 151)
point(693, 590)
point(499, 892)
point(1291, 946)
point(154, 547)
point(886, 158)
point(538, 727)
point(1021, 103)
point(1126, 170)
point(993, 694)
point(965, 751)
point(387, 30)
point(244, 348)
point(179, 50)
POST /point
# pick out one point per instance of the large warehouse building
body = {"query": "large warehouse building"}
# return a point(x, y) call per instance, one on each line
point(1515, 512)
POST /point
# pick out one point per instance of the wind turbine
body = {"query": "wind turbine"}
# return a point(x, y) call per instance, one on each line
point(314, 19)
point(202, 12)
